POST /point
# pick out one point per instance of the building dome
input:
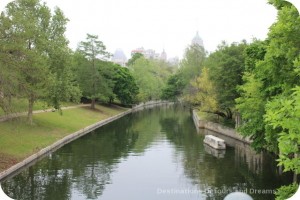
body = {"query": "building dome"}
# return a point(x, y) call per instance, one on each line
point(197, 40)
point(119, 57)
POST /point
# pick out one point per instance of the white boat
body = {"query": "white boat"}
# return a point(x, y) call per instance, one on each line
point(214, 142)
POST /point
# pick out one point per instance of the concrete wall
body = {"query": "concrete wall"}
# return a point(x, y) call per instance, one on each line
point(69, 138)
point(230, 132)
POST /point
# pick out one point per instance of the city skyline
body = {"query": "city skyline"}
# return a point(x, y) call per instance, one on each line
point(164, 24)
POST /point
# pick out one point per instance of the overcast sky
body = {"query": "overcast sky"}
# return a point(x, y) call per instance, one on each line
point(164, 24)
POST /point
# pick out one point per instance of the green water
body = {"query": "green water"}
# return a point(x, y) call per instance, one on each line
point(148, 155)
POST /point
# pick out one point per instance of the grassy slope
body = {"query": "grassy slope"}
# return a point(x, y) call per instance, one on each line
point(19, 139)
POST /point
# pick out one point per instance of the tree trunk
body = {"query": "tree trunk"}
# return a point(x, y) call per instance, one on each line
point(218, 113)
point(295, 177)
point(228, 113)
point(110, 100)
point(238, 120)
point(30, 109)
point(93, 103)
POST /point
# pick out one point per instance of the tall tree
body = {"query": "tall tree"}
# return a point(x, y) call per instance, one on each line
point(203, 93)
point(64, 87)
point(273, 69)
point(251, 103)
point(8, 72)
point(192, 63)
point(134, 57)
point(29, 22)
point(190, 67)
point(36, 51)
point(150, 76)
point(125, 87)
point(269, 101)
point(91, 81)
point(226, 66)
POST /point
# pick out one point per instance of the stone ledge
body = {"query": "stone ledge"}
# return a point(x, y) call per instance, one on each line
point(230, 132)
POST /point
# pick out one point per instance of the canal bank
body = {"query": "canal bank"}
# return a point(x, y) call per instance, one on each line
point(218, 128)
point(73, 136)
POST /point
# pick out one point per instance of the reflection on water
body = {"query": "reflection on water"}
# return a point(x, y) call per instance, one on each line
point(152, 154)
point(218, 153)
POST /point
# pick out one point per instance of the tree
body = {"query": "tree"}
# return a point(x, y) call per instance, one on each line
point(174, 87)
point(36, 51)
point(8, 72)
point(28, 25)
point(64, 88)
point(192, 63)
point(150, 76)
point(203, 93)
point(125, 87)
point(134, 57)
point(283, 114)
point(190, 67)
point(269, 101)
point(273, 69)
point(91, 81)
point(226, 66)
point(251, 104)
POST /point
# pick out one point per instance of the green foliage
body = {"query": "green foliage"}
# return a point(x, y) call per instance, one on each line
point(63, 88)
point(190, 67)
point(91, 81)
point(283, 113)
point(285, 192)
point(271, 73)
point(226, 67)
point(192, 63)
point(277, 68)
point(134, 57)
point(35, 55)
point(254, 52)
point(125, 86)
point(150, 76)
point(173, 88)
point(203, 92)
point(251, 94)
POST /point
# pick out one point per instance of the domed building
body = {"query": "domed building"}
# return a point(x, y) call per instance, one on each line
point(197, 40)
point(119, 57)
point(163, 56)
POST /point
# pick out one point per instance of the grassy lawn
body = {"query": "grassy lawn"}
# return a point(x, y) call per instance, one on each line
point(19, 140)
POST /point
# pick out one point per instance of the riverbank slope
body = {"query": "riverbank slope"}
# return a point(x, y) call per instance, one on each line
point(19, 140)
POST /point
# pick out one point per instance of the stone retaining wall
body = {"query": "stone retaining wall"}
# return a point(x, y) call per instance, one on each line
point(230, 132)
point(69, 138)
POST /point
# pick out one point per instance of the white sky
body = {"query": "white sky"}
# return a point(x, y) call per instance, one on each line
point(168, 24)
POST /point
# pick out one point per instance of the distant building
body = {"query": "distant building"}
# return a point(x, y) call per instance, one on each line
point(150, 53)
point(119, 57)
point(197, 40)
point(140, 50)
point(163, 56)
point(174, 61)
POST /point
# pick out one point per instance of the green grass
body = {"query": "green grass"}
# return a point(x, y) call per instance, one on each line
point(18, 139)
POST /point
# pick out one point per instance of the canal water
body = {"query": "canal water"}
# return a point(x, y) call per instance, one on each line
point(151, 154)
